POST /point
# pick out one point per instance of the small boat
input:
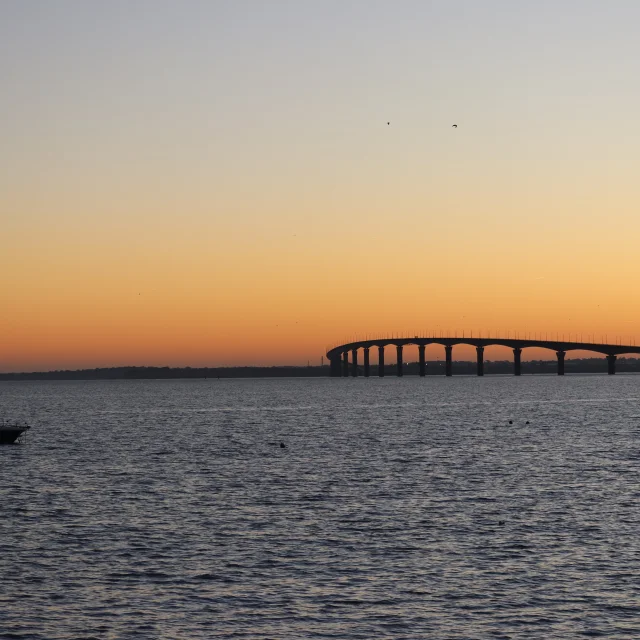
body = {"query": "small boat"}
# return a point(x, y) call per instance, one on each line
point(12, 432)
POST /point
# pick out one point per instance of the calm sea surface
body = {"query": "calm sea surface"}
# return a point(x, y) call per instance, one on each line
point(399, 508)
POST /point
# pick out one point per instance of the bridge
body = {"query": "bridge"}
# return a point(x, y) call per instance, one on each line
point(341, 366)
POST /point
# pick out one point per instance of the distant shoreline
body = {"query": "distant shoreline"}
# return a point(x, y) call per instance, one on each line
point(584, 365)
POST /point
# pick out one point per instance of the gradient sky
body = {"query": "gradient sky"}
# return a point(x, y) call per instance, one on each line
point(214, 183)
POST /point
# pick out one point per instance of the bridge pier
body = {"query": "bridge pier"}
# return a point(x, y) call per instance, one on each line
point(423, 364)
point(345, 364)
point(561, 355)
point(366, 362)
point(611, 364)
point(336, 367)
point(399, 359)
point(480, 360)
point(354, 363)
point(517, 352)
point(381, 362)
point(448, 369)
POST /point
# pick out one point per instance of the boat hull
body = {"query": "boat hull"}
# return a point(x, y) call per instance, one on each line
point(10, 436)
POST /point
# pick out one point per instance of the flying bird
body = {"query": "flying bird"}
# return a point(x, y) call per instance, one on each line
point(455, 126)
point(388, 123)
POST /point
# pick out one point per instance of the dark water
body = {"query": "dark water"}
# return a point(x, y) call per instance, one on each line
point(167, 509)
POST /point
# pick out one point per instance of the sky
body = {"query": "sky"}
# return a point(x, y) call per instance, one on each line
point(212, 183)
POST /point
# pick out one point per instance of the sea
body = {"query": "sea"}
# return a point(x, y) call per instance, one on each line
point(496, 507)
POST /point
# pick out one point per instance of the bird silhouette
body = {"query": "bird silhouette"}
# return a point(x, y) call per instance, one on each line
point(455, 126)
point(388, 123)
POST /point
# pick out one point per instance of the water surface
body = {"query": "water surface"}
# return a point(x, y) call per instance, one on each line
point(399, 508)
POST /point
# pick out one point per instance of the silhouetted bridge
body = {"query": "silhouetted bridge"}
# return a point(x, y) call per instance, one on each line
point(341, 366)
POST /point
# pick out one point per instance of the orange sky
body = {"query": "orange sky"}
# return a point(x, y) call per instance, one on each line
point(232, 194)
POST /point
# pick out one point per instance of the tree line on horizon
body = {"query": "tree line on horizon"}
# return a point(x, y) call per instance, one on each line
point(434, 367)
